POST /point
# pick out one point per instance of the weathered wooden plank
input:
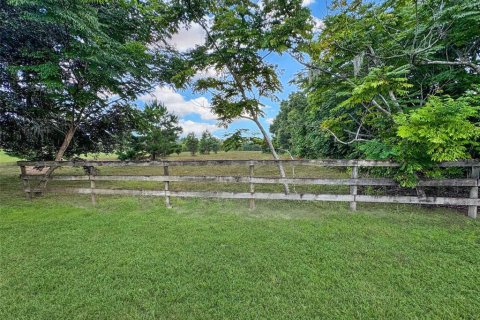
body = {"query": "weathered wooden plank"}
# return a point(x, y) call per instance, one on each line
point(282, 196)
point(59, 178)
point(229, 179)
point(354, 189)
point(26, 182)
point(417, 200)
point(124, 192)
point(265, 196)
point(460, 163)
point(36, 190)
point(167, 186)
point(267, 180)
point(449, 183)
point(326, 163)
point(323, 162)
point(31, 170)
point(91, 177)
point(252, 188)
point(212, 194)
point(473, 209)
point(320, 181)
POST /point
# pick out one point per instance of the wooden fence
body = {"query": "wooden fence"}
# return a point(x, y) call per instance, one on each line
point(472, 181)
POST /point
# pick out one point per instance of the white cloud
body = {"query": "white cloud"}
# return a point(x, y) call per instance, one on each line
point(306, 3)
point(269, 120)
point(208, 73)
point(319, 25)
point(177, 104)
point(197, 128)
point(188, 37)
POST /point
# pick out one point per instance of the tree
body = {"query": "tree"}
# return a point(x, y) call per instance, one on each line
point(365, 73)
point(69, 66)
point(101, 134)
point(216, 145)
point(157, 134)
point(207, 142)
point(296, 129)
point(240, 34)
point(375, 66)
point(191, 143)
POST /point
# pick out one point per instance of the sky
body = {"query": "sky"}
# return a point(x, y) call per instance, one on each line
point(193, 108)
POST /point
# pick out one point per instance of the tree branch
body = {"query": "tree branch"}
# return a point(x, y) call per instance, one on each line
point(357, 136)
point(468, 64)
point(395, 101)
point(379, 107)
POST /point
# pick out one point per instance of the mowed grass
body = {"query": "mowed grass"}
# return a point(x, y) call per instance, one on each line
point(5, 159)
point(131, 258)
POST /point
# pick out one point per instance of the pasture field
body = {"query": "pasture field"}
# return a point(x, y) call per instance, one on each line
point(131, 258)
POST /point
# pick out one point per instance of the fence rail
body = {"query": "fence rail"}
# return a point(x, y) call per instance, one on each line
point(354, 182)
point(172, 163)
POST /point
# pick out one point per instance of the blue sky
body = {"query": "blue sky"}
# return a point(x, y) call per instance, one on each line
point(192, 108)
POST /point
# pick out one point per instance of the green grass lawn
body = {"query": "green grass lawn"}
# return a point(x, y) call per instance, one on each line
point(5, 159)
point(131, 258)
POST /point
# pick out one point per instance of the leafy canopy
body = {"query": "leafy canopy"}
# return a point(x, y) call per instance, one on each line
point(443, 127)
point(391, 80)
point(66, 67)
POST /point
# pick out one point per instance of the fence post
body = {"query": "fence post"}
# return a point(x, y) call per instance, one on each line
point(252, 188)
point(473, 210)
point(26, 183)
point(167, 186)
point(354, 189)
point(91, 177)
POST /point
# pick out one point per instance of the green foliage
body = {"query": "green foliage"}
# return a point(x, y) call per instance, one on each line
point(191, 143)
point(216, 145)
point(156, 134)
point(33, 136)
point(208, 143)
point(388, 80)
point(241, 140)
point(377, 150)
point(73, 65)
point(378, 82)
point(297, 129)
point(240, 34)
point(443, 128)
point(235, 141)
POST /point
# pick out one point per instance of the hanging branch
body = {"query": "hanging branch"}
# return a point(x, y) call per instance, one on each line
point(356, 139)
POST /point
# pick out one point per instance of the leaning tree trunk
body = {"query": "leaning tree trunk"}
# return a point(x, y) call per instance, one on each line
point(66, 142)
point(274, 153)
point(58, 157)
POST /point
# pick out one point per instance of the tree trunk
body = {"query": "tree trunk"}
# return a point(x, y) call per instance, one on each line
point(58, 157)
point(66, 142)
point(274, 153)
